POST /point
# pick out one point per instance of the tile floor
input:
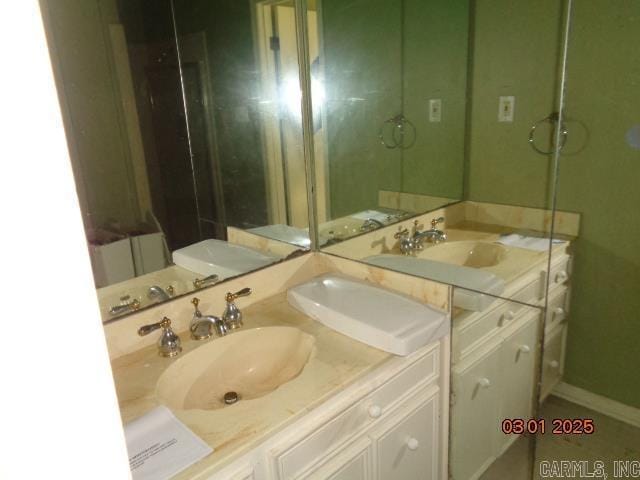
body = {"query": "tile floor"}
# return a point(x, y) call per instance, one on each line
point(613, 440)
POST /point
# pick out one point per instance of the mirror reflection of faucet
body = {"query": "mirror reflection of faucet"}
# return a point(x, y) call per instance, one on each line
point(199, 283)
point(412, 242)
point(126, 306)
point(159, 294)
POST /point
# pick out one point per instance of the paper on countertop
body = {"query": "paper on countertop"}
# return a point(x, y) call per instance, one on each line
point(160, 445)
point(529, 243)
point(374, 214)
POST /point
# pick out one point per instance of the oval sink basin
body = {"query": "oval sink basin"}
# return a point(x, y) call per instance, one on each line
point(250, 363)
point(466, 253)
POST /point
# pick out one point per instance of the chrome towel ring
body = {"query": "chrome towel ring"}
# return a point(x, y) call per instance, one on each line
point(397, 132)
point(553, 120)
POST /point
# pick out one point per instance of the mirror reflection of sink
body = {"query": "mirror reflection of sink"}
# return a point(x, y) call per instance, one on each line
point(472, 254)
point(250, 363)
point(466, 264)
point(224, 259)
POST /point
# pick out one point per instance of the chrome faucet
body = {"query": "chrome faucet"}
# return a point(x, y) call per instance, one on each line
point(410, 243)
point(432, 235)
point(232, 316)
point(129, 306)
point(169, 342)
point(203, 326)
point(157, 293)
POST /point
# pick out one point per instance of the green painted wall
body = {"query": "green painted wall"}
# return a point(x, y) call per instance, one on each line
point(600, 172)
point(602, 181)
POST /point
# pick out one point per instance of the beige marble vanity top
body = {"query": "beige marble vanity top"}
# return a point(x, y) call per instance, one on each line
point(335, 362)
point(516, 262)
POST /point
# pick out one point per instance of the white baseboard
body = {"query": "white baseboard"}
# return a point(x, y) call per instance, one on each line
point(604, 405)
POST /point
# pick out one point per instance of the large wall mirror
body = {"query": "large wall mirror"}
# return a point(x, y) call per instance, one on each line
point(434, 145)
point(183, 120)
point(389, 83)
point(436, 135)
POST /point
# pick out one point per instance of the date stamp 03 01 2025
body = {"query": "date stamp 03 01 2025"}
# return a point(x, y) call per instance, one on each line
point(569, 469)
point(559, 426)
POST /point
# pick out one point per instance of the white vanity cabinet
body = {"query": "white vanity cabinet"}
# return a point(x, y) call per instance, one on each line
point(495, 354)
point(495, 384)
point(393, 424)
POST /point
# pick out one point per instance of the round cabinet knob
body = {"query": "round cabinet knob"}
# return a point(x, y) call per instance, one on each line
point(375, 411)
point(484, 383)
point(562, 277)
point(508, 315)
point(554, 364)
point(412, 443)
point(558, 312)
point(525, 349)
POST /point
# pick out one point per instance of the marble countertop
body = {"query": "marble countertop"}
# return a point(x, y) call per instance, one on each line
point(518, 260)
point(335, 362)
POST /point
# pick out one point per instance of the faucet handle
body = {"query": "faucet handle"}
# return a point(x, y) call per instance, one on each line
point(230, 297)
point(436, 221)
point(130, 306)
point(198, 283)
point(195, 302)
point(169, 343)
point(402, 232)
point(232, 316)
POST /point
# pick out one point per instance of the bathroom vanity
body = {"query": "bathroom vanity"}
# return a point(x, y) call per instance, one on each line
point(345, 411)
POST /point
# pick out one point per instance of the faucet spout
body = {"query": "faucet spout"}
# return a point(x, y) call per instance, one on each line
point(203, 326)
point(157, 293)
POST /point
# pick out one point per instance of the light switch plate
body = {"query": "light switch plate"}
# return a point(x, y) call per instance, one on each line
point(506, 107)
point(435, 110)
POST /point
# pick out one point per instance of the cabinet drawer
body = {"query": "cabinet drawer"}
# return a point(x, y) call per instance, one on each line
point(560, 271)
point(406, 445)
point(352, 462)
point(476, 331)
point(558, 308)
point(553, 360)
point(300, 452)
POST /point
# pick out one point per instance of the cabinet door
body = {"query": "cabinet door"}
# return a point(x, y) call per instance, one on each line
point(407, 445)
point(475, 426)
point(553, 360)
point(352, 463)
point(518, 368)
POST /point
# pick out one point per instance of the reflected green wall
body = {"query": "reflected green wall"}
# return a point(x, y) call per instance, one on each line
point(602, 181)
point(382, 58)
point(435, 66)
point(362, 62)
point(515, 52)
